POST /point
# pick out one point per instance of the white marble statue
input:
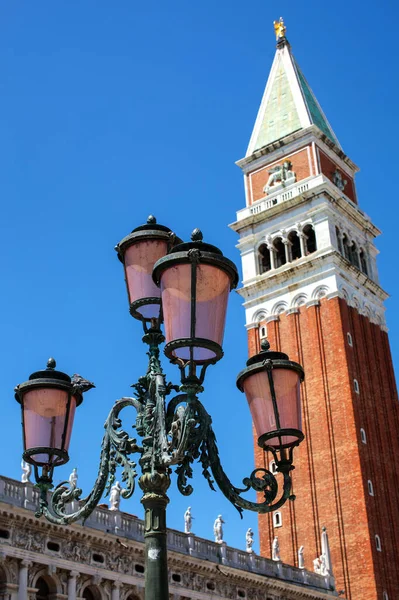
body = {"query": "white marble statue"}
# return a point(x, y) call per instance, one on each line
point(276, 549)
point(115, 496)
point(188, 520)
point(73, 479)
point(325, 550)
point(301, 559)
point(26, 472)
point(218, 530)
point(249, 539)
point(317, 566)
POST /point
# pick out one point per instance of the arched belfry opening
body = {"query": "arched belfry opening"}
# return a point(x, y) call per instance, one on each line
point(294, 240)
point(311, 245)
point(280, 252)
point(264, 259)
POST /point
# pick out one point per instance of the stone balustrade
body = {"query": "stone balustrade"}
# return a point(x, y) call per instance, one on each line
point(130, 527)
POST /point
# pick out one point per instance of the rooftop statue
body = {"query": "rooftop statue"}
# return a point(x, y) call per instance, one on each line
point(279, 28)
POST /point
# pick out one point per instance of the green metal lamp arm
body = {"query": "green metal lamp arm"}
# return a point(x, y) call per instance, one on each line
point(261, 480)
point(116, 449)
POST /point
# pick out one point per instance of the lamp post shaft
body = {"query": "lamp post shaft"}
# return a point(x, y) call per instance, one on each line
point(155, 502)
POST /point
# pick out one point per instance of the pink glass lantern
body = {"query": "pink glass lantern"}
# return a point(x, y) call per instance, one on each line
point(138, 252)
point(195, 280)
point(48, 401)
point(271, 384)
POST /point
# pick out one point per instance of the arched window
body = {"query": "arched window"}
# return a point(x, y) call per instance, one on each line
point(354, 255)
point(370, 487)
point(339, 240)
point(378, 543)
point(363, 262)
point(350, 340)
point(277, 519)
point(385, 596)
point(345, 244)
point(264, 259)
point(280, 252)
point(43, 592)
point(262, 332)
point(91, 593)
point(356, 386)
point(363, 436)
point(295, 245)
point(311, 245)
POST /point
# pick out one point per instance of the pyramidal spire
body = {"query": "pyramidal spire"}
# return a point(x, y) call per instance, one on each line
point(288, 104)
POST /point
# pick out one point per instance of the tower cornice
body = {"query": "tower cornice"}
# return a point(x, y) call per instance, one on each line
point(282, 146)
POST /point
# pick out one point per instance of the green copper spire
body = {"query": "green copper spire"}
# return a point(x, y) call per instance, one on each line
point(288, 103)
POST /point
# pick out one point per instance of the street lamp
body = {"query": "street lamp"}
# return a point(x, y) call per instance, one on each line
point(186, 287)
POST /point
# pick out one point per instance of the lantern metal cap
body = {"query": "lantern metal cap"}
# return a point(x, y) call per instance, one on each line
point(49, 377)
point(267, 357)
point(149, 230)
point(50, 373)
point(199, 251)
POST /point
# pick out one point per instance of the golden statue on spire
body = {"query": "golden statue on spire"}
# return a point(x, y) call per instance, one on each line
point(279, 28)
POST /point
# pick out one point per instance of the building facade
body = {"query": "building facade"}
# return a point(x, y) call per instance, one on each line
point(310, 285)
point(104, 560)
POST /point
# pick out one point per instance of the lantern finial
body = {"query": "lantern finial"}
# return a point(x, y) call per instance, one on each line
point(51, 364)
point(265, 345)
point(196, 235)
point(151, 220)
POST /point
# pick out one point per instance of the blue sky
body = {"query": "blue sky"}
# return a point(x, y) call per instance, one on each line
point(111, 111)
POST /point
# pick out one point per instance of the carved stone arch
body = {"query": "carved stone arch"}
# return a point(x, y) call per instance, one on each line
point(6, 574)
point(52, 581)
point(259, 316)
point(299, 300)
point(131, 593)
point(356, 303)
point(91, 591)
point(279, 308)
point(320, 292)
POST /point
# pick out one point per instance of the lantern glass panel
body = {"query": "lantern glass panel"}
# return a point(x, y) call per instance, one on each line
point(139, 260)
point(45, 412)
point(212, 291)
point(287, 388)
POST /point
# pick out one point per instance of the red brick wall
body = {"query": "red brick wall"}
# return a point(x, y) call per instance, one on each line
point(328, 168)
point(332, 464)
point(300, 165)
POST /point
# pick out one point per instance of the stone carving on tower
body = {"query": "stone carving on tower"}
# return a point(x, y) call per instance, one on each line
point(338, 180)
point(280, 176)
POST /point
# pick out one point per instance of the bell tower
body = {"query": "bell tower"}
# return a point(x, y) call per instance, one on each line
point(310, 285)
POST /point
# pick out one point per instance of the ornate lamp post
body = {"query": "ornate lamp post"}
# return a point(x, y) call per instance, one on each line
point(186, 286)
